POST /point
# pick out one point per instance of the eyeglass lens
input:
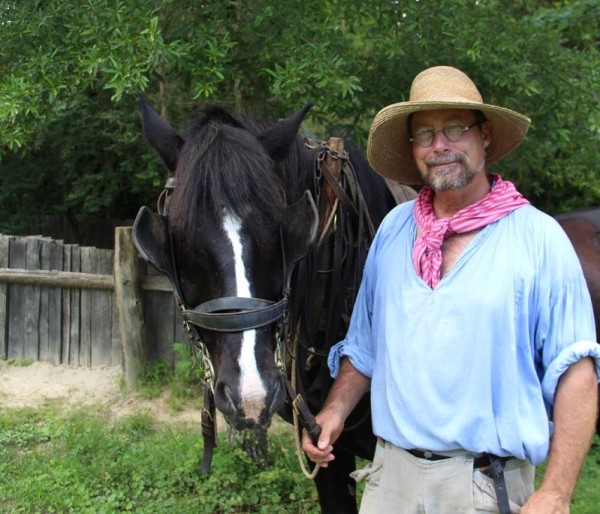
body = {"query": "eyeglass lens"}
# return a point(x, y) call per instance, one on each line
point(452, 132)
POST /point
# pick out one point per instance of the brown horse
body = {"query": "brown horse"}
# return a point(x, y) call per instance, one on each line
point(583, 229)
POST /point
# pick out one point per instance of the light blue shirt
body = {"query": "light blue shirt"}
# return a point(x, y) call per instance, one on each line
point(474, 363)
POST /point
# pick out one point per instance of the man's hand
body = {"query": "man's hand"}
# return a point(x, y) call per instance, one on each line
point(575, 410)
point(331, 428)
point(347, 390)
point(542, 502)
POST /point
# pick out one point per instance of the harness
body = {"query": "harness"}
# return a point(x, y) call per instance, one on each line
point(307, 317)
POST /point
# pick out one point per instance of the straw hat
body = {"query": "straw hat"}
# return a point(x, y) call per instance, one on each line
point(389, 150)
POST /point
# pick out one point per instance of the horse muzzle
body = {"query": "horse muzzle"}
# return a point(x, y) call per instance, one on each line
point(249, 410)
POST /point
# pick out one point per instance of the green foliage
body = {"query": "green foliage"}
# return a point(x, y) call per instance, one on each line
point(154, 378)
point(183, 381)
point(70, 142)
point(188, 374)
point(20, 363)
point(82, 463)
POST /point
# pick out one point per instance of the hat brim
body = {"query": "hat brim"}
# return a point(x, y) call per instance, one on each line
point(389, 149)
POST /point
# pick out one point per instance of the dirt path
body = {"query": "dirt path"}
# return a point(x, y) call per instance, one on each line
point(40, 382)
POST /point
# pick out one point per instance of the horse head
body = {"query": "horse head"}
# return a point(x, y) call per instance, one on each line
point(239, 218)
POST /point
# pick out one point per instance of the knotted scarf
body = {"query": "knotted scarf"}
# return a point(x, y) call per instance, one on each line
point(502, 199)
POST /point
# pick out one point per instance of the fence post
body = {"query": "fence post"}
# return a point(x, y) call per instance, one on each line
point(4, 244)
point(129, 304)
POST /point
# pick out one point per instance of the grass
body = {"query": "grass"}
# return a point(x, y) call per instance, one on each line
point(83, 461)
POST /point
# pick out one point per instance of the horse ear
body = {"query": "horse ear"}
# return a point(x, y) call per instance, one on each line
point(300, 228)
point(160, 135)
point(278, 139)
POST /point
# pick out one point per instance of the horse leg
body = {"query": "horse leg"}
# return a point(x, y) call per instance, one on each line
point(336, 489)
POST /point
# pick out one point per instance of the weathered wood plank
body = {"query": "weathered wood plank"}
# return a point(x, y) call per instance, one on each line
point(74, 300)
point(86, 314)
point(52, 259)
point(66, 309)
point(4, 243)
point(47, 314)
point(156, 283)
point(129, 302)
point(101, 321)
point(159, 315)
point(44, 318)
point(116, 353)
point(33, 302)
point(180, 335)
point(53, 278)
point(17, 256)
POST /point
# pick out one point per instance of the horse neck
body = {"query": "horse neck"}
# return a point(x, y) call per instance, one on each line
point(297, 171)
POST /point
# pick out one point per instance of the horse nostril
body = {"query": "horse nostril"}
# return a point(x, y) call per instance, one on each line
point(224, 398)
point(277, 398)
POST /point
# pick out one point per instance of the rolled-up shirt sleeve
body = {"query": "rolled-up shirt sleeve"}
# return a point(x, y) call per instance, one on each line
point(566, 328)
point(361, 360)
point(564, 359)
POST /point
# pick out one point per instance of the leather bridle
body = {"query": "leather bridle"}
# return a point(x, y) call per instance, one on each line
point(238, 314)
point(231, 315)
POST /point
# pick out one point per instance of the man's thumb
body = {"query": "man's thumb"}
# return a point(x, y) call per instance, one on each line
point(323, 442)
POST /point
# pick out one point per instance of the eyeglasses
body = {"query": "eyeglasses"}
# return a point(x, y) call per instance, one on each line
point(452, 132)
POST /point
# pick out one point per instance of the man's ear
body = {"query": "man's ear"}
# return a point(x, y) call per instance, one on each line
point(486, 133)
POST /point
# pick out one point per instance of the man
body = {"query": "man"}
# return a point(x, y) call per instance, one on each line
point(473, 328)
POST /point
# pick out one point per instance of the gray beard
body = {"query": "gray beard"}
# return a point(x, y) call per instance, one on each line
point(442, 180)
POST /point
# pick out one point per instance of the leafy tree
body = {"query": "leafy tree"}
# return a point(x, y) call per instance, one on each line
point(70, 141)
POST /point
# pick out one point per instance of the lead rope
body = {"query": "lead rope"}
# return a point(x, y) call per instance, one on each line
point(295, 398)
point(298, 443)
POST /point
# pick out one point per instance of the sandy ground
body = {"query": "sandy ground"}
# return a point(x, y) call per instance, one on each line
point(40, 383)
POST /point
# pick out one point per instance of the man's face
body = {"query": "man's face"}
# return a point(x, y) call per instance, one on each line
point(447, 165)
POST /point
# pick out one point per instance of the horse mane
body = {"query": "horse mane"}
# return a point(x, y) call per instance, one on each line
point(222, 166)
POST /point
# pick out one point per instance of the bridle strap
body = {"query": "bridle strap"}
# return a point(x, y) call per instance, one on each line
point(235, 314)
point(209, 428)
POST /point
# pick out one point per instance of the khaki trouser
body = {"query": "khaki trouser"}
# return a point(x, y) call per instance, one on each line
point(399, 483)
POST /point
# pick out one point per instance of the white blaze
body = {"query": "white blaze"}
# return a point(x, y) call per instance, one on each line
point(252, 389)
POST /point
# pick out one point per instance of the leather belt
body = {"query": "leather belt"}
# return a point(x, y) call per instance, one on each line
point(478, 462)
point(495, 470)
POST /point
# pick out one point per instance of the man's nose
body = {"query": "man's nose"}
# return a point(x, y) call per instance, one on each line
point(439, 139)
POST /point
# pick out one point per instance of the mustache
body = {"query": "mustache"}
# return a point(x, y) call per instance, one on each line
point(445, 159)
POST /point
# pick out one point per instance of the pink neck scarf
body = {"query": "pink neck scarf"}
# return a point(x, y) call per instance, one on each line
point(427, 252)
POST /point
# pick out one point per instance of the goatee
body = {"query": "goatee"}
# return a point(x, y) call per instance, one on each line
point(449, 178)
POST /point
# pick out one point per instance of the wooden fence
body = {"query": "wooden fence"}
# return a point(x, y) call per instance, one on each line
point(84, 306)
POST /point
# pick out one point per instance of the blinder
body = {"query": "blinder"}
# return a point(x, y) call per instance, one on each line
point(152, 239)
point(235, 314)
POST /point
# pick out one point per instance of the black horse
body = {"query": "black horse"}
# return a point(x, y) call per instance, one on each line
point(264, 242)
